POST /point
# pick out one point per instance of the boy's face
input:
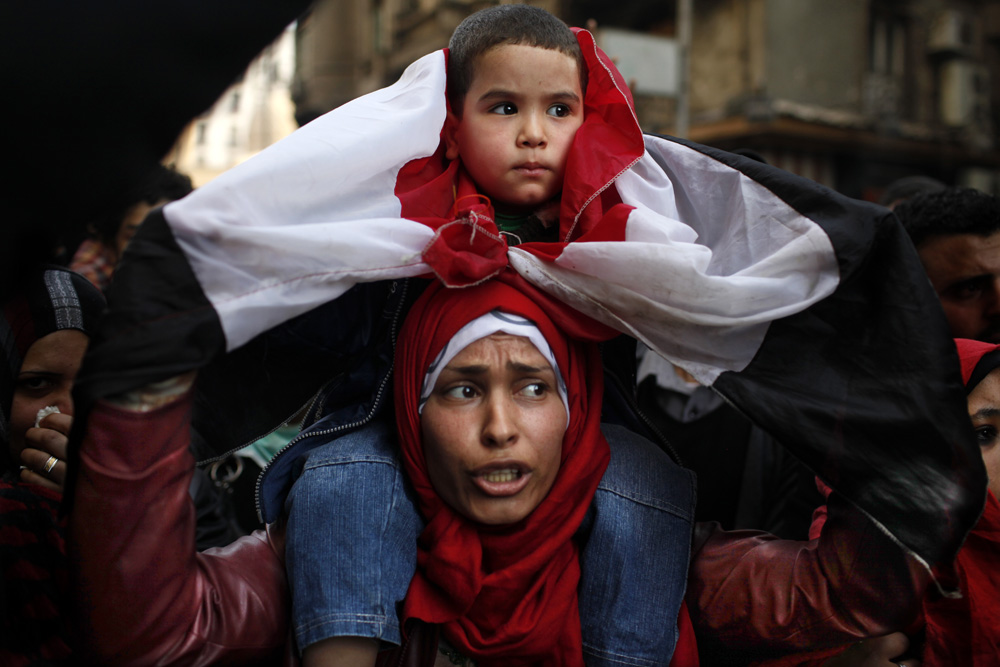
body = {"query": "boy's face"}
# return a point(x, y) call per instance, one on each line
point(518, 121)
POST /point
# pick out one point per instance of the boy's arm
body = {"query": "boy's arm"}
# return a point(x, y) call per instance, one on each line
point(143, 595)
point(753, 591)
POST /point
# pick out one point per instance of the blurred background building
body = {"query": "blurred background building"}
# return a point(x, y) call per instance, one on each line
point(253, 113)
point(852, 94)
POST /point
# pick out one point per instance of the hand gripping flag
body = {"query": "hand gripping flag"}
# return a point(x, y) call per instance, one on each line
point(808, 311)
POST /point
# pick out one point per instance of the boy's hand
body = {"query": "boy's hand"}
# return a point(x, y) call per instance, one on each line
point(876, 652)
point(46, 441)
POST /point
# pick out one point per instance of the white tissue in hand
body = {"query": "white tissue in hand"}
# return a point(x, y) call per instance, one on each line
point(45, 412)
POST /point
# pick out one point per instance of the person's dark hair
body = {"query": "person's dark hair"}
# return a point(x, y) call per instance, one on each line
point(500, 25)
point(163, 183)
point(951, 211)
point(907, 187)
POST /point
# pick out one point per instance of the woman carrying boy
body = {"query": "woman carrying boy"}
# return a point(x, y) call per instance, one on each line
point(618, 279)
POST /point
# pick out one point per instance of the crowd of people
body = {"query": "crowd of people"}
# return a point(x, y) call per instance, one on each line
point(793, 471)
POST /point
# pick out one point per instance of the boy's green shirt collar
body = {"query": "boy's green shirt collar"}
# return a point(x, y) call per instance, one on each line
point(524, 228)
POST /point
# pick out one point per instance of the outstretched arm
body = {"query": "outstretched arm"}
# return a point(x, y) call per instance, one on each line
point(144, 595)
point(750, 591)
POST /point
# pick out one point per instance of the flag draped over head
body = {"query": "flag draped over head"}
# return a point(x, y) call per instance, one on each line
point(808, 311)
point(506, 591)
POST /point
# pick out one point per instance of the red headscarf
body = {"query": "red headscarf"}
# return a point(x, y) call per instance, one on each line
point(503, 594)
point(966, 631)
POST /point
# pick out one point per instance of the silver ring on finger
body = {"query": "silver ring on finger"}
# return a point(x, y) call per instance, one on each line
point(50, 464)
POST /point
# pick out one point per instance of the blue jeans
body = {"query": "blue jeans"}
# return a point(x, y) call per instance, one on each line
point(353, 528)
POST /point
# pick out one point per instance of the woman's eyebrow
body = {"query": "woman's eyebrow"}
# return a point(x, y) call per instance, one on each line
point(528, 368)
point(38, 372)
point(986, 413)
point(471, 369)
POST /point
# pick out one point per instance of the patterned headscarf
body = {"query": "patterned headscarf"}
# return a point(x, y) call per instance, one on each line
point(52, 300)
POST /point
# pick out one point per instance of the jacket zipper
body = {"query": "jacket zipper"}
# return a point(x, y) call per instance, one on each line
point(341, 427)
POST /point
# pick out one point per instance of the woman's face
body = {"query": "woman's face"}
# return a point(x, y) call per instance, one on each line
point(984, 410)
point(493, 429)
point(46, 378)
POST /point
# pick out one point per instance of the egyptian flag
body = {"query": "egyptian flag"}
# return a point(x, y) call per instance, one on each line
point(808, 311)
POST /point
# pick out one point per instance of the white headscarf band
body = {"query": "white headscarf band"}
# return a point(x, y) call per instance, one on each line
point(486, 325)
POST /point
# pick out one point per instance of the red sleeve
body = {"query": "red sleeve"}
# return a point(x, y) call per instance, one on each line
point(143, 594)
point(750, 591)
point(819, 514)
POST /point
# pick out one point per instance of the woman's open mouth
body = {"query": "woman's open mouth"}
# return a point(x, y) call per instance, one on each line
point(502, 481)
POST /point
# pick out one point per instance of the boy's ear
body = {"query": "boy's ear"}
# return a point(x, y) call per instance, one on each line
point(450, 134)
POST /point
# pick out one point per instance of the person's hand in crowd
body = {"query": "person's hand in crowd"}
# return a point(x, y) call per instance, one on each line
point(44, 454)
point(876, 652)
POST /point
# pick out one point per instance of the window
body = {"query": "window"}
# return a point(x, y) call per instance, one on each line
point(887, 44)
point(885, 84)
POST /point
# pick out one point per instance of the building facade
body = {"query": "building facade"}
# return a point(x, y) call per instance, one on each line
point(852, 94)
point(253, 113)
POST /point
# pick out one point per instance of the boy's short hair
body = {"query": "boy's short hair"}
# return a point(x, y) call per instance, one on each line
point(500, 25)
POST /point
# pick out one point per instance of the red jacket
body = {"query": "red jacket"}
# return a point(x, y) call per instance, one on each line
point(144, 596)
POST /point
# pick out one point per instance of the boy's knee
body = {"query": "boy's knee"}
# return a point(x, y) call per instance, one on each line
point(641, 472)
point(352, 535)
point(635, 558)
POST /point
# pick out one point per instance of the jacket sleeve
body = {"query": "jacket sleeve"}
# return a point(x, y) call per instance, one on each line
point(751, 592)
point(143, 594)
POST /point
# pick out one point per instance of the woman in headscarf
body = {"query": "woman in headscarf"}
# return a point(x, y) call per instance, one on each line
point(498, 411)
point(966, 630)
point(44, 332)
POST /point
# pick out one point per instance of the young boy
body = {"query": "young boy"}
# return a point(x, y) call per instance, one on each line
point(516, 90)
point(515, 107)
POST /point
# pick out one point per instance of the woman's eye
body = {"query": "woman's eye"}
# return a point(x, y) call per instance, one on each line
point(504, 108)
point(560, 110)
point(461, 392)
point(535, 389)
point(986, 435)
point(34, 384)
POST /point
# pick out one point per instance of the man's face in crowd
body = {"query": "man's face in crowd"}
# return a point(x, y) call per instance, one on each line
point(965, 272)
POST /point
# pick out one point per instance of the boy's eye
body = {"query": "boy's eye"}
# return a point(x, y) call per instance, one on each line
point(559, 110)
point(986, 435)
point(504, 108)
